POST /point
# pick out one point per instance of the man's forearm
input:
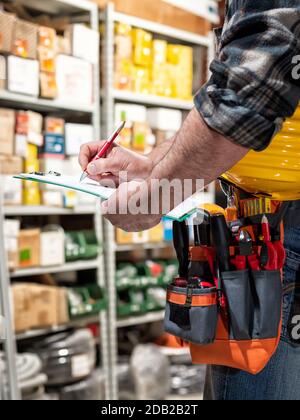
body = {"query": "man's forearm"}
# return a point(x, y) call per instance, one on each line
point(159, 152)
point(198, 152)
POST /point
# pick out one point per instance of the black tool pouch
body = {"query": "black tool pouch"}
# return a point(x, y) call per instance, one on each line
point(192, 314)
point(267, 303)
point(254, 301)
point(238, 293)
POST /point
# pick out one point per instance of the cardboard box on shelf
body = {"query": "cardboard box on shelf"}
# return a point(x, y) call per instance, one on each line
point(48, 85)
point(64, 45)
point(31, 165)
point(123, 47)
point(123, 238)
point(7, 23)
point(52, 247)
point(164, 119)
point(3, 72)
point(21, 145)
point(54, 125)
point(23, 76)
point(25, 37)
point(141, 80)
point(80, 36)
point(142, 47)
point(46, 60)
point(140, 237)
point(74, 80)
point(12, 190)
point(161, 12)
point(31, 194)
point(140, 132)
point(47, 38)
point(62, 306)
point(38, 306)
point(7, 132)
point(29, 248)
point(123, 75)
point(76, 135)
point(11, 235)
point(30, 124)
point(54, 146)
point(70, 199)
point(52, 198)
point(21, 307)
point(160, 48)
point(131, 113)
point(156, 234)
point(11, 165)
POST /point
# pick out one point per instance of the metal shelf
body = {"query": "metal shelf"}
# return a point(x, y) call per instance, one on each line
point(59, 7)
point(39, 104)
point(161, 101)
point(2, 328)
point(68, 267)
point(147, 246)
point(168, 31)
point(141, 319)
point(56, 328)
point(46, 211)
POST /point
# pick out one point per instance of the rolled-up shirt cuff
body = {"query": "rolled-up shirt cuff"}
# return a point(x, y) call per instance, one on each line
point(223, 112)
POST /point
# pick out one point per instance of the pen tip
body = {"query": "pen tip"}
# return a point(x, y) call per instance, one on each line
point(83, 177)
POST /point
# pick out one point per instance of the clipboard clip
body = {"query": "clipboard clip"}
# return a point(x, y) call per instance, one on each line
point(45, 174)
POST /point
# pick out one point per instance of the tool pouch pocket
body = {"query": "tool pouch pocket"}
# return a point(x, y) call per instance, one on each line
point(268, 303)
point(192, 314)
point(238, 293)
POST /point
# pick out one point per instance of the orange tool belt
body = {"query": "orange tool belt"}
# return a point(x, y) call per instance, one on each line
point(233, 316)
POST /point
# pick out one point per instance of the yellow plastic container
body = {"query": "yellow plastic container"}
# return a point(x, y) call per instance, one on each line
point(276, 171)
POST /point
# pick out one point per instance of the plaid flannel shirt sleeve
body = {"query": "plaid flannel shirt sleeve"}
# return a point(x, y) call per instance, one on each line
point(255, 82)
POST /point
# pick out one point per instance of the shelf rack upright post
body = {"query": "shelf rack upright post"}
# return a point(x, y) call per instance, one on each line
point(204, 46)
point(70, 8)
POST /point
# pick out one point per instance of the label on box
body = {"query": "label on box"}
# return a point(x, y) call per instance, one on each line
point(54, 144)
point(76, 136)
point(23, 76)
point(21, 145)
point(74, 80)
point(80, 366)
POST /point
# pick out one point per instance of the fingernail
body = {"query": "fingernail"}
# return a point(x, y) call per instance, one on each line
point(104, 207)
point(92, 169)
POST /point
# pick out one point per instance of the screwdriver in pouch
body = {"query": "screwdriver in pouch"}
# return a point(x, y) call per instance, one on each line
point(182, 244)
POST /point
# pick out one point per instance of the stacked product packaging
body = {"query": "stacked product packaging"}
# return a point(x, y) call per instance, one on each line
point(152, 66)
point(37, 62)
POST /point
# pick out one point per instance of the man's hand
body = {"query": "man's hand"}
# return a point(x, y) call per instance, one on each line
point(108, 170)
point(129, 208)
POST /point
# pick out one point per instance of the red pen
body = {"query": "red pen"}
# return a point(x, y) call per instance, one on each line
point(107, 145)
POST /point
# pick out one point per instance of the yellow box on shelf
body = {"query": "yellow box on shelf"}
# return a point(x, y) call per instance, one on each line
point(142, 47)
point(156, 234)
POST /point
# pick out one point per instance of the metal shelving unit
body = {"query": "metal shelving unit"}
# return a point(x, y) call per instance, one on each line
point(46, 211)
point(65, 268)
point(39, 104)
point(204, 47)
point(56, 328)
point(141, 319)
point(88, 12)
point(152, 100)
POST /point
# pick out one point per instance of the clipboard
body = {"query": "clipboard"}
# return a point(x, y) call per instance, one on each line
point(88, 186)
